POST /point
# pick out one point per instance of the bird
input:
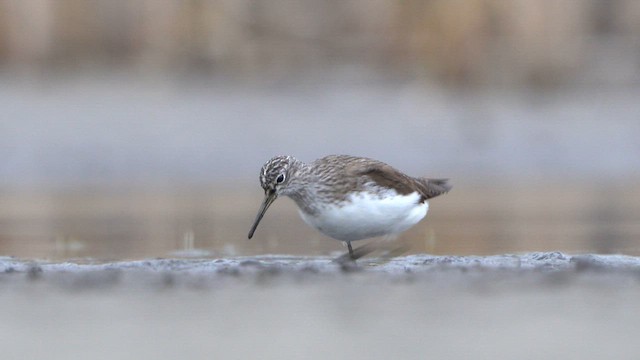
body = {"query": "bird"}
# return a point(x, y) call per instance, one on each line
point(348, 198)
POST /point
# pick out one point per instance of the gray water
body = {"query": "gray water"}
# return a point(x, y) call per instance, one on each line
point(115, 167)
point(116, 129)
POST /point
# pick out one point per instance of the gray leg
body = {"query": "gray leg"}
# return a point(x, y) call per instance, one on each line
point(353, 255)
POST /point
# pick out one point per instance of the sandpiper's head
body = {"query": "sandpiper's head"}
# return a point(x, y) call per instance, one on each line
point(275, 176)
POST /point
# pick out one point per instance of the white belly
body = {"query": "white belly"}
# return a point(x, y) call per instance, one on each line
point(364, 216)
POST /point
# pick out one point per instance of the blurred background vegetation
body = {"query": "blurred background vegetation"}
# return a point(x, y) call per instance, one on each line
point(452, 42)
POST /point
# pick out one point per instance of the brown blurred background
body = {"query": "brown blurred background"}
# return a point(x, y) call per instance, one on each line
point(474, 42)
point(136, 128)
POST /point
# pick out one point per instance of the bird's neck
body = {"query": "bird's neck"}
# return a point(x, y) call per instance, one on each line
point(305, 185)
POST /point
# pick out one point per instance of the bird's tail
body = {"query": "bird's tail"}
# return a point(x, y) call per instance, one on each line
point(434, 187)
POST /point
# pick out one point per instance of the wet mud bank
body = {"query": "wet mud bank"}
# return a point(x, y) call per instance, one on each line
point(449, 271)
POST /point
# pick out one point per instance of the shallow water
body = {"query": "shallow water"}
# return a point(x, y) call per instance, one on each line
point(213, 222)
point(104, 167)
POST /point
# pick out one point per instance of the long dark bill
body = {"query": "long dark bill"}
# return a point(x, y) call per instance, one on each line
point(269, 198)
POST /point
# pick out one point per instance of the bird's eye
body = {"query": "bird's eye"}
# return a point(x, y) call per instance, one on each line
point(280, 178)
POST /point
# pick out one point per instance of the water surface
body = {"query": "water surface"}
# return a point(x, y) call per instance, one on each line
point(100, 224)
